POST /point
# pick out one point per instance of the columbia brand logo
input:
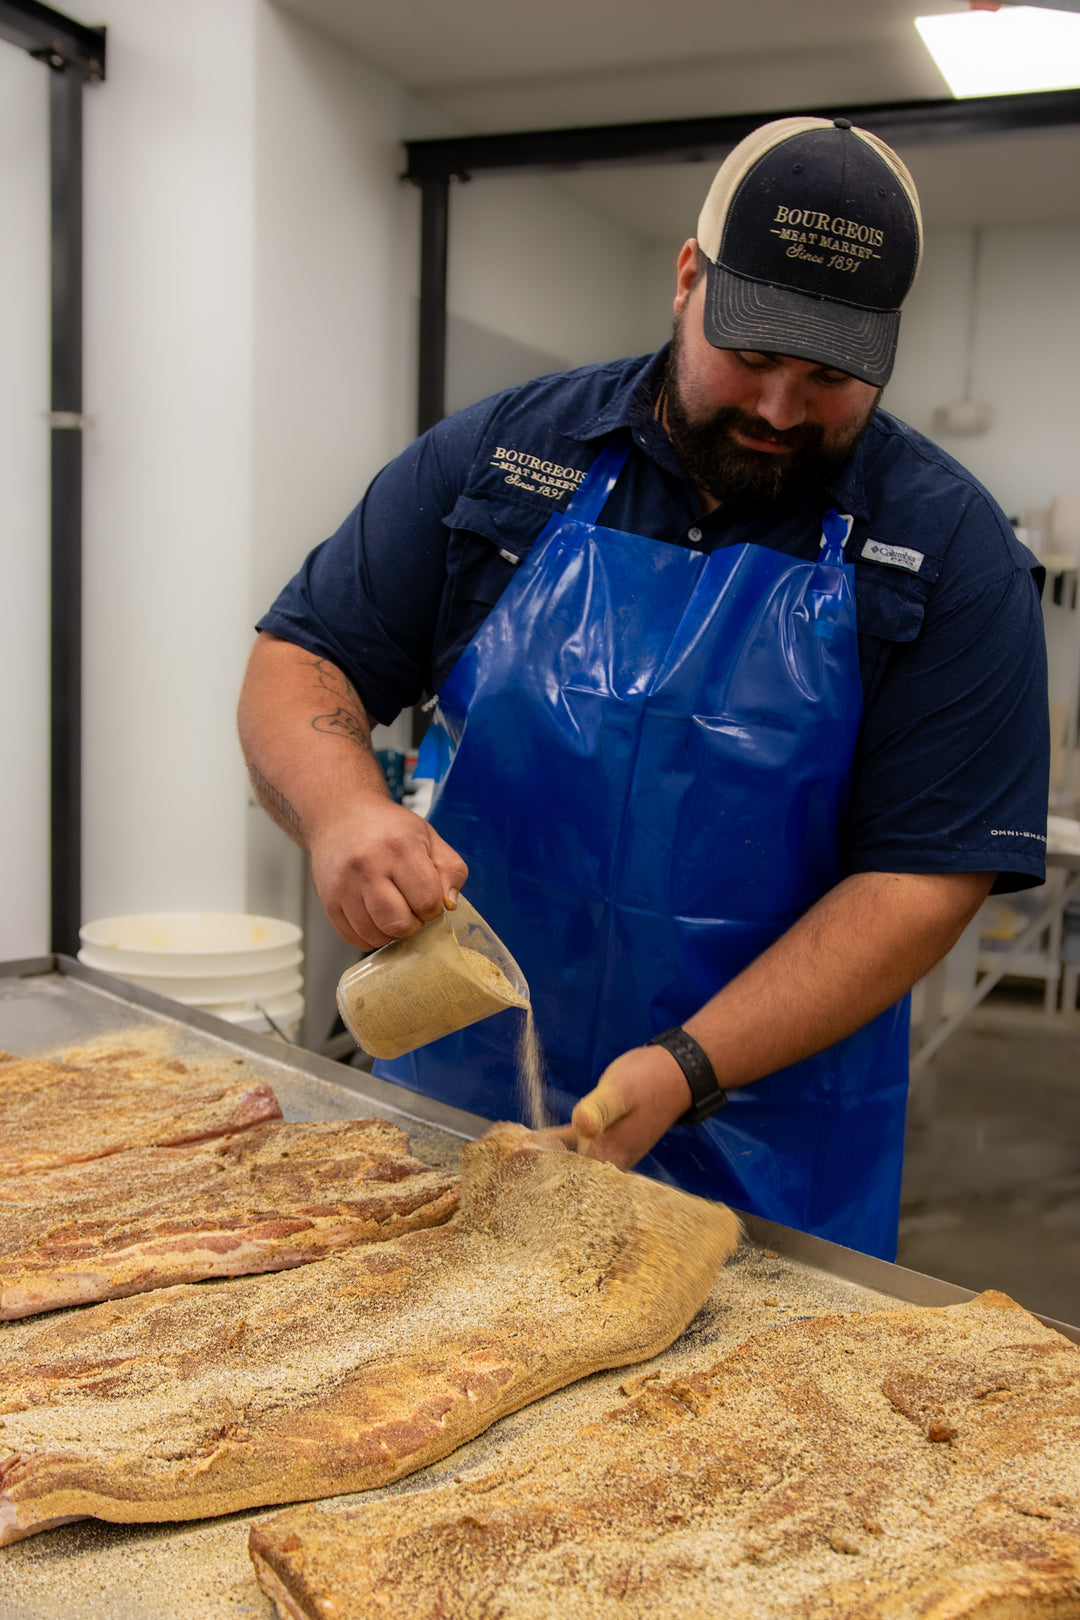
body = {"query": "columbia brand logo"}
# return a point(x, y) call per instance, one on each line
point(893, 556)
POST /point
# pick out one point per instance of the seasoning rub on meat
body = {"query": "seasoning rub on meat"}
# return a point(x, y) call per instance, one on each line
point(889, 1465)
point(61, 1113)
point(273, 1196)
point(209, 1398)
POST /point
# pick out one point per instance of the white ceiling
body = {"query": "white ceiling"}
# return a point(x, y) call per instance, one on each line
point(446, 47)
point(488, 66)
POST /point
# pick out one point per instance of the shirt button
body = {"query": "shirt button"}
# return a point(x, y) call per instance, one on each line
point(693, 535)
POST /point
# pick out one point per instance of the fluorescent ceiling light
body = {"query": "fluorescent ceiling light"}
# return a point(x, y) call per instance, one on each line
point(1004, 52)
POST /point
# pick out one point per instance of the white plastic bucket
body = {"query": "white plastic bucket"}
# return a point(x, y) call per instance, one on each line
point(191, 942)
point(287, 1013)
point(225, 963)
point(194, 992)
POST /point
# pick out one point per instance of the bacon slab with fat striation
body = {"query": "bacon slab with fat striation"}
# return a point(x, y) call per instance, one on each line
point(273, 1196)
point(62, 1112)
point(210, 1398)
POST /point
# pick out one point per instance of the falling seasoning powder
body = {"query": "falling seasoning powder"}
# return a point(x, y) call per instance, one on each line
point(530, 1075)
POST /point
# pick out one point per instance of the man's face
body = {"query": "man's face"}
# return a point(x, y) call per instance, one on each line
point(746, 424)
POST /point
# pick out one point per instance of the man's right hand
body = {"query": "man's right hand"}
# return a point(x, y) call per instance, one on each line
point(381, 872)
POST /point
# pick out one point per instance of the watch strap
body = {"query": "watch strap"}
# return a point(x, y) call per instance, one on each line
point(708, 1098)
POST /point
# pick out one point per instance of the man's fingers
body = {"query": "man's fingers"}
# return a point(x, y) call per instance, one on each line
point(389, 912)
point(355, 923)
point(451, 868)
point(384, 872)
point(600, 1109)
point(429, 876)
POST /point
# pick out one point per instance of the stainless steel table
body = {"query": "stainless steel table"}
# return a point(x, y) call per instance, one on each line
point(95, 1571)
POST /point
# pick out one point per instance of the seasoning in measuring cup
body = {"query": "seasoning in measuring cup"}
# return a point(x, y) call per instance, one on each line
point(418, 989)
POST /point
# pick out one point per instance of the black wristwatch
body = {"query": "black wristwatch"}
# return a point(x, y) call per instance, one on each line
point(699, 1072)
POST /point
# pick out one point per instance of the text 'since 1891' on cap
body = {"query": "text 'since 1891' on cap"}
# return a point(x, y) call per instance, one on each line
point(813, 236)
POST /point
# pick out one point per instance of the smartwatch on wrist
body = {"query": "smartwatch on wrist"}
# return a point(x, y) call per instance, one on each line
point(708, 1098)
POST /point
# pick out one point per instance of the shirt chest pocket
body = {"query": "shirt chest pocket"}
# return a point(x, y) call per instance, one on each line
point(482, 529)
point(487, 543)
point(890, 605)
point(891, 609)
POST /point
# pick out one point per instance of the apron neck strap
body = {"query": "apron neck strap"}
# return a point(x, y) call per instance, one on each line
point(835, 528)
point(588, 502)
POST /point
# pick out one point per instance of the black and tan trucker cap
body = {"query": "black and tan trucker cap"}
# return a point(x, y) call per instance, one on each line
point(813, 236)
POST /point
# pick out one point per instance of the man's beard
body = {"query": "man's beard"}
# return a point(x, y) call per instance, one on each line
point(717, 464)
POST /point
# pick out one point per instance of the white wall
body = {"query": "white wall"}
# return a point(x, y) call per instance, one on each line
point(337, 243)
point(169, 207)
point(529, 261)
point(533, 277)
point(24, 505)
point(657, 291)
point(1025, 358)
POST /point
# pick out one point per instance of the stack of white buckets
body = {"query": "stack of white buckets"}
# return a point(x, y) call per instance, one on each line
point(240, 968)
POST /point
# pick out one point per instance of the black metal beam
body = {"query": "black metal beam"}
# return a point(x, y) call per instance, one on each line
point(434, 236)
point(58, 40)
point(683, 140)
point(66, 195)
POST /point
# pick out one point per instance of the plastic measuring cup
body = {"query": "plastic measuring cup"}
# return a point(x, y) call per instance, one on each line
point(454, 972)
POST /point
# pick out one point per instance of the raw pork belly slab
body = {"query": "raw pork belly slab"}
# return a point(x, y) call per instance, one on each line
point(208, 1398)
point(895, 1465)
point(60, 1113)
point(270, 1197)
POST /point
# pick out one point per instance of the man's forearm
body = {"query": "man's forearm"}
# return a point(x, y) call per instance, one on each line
point(379, 870)
point(306, 737)
point(854, 953)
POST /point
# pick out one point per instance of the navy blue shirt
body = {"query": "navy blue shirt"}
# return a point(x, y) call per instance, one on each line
point(952, 763)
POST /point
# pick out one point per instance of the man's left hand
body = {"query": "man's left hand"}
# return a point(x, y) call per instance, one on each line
point(844, 961)
point(636, 1099)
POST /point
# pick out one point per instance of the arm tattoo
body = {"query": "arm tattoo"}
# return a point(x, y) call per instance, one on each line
point(344, 723)
point(274, 802)
point(350, 718)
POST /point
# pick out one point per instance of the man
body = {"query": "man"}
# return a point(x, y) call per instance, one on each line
point(730, 770)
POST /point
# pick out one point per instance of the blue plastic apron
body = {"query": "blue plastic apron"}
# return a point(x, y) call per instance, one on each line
point(644, 755)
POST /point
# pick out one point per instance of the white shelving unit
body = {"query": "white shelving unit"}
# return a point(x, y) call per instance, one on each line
point(1061, 617)
point(1030, 943)
point(1042, 958)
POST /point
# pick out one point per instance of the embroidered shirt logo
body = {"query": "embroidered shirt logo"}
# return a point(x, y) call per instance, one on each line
point(894, 556)
point(536, 477)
